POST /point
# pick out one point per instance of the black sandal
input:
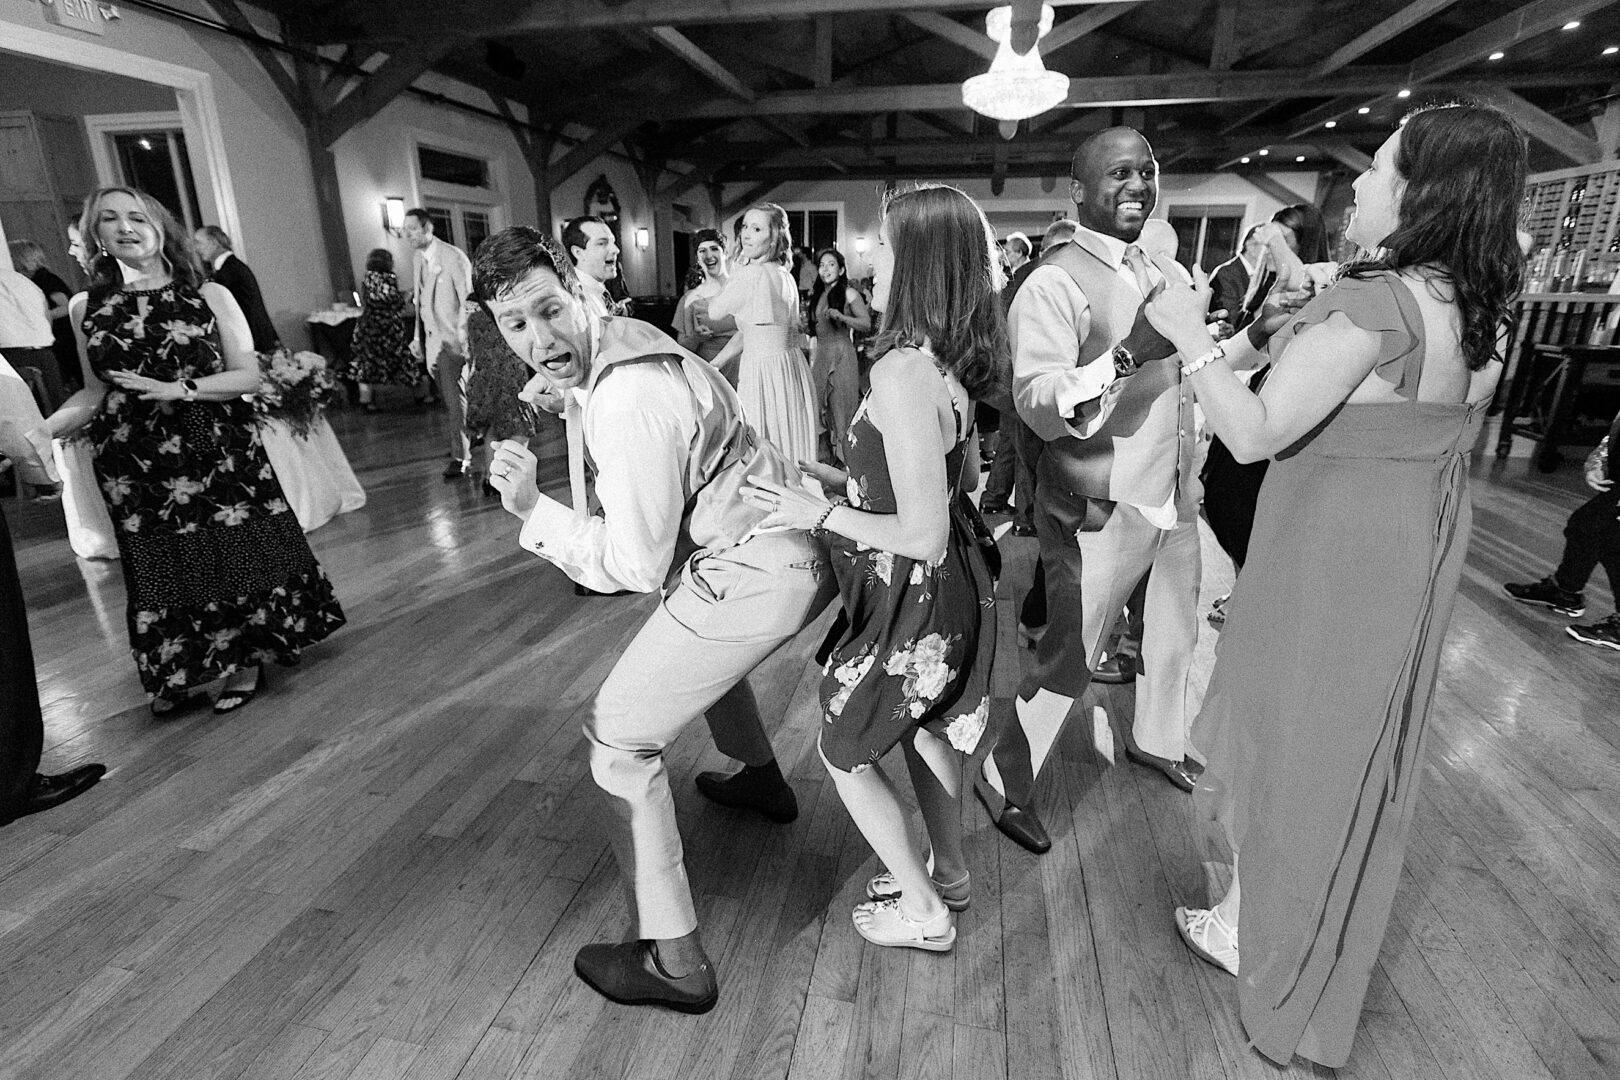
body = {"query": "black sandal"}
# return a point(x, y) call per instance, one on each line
point(231, 700)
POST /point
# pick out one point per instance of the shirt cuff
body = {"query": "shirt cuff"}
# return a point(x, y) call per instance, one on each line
point(549, 520)
point(1089, 383)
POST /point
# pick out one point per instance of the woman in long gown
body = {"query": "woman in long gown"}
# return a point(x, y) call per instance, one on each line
point(913, 664)
point(1317, 713)
point(382, 334)
point(773, 381)
point(218, 575)
point(696, 328)
point(838, 310)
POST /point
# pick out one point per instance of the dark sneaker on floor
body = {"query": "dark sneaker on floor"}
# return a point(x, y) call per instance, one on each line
point(1604, 633)
point(1547, 593)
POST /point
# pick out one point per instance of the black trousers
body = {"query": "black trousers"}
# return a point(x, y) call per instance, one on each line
point(1591, 536)
point(22, 727)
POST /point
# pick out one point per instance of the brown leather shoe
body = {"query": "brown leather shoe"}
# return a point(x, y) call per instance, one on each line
point(761, 789)
point(1019, 825)
point(52, 791)
point(1184, 773)
point(630, 974)
point(1115, 670)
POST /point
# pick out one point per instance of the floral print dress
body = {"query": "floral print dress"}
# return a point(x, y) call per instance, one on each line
point(921, 636)
point(216, 568)
point(382, 335)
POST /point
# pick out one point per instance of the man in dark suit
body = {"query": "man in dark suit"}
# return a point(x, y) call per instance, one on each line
point(1230, 281)
point(214, 245)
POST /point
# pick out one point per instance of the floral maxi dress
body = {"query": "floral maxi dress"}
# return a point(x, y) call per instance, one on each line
point(216, 568)
point(921, 636)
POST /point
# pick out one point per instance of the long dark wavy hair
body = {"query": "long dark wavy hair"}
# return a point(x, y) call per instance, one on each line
point(1464, 167)
point(1309, 231)
point(947, 284)
point(175, 245)
point(838, 291)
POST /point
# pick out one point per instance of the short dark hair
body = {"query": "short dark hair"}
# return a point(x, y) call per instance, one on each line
point(508, 256)
point(380, 260)
point(573, 233)
point(421, 217)
point(704, 236)
point(218, 236)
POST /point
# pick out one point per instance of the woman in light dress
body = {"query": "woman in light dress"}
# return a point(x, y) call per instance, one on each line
point(773, 381)
point(695, 327)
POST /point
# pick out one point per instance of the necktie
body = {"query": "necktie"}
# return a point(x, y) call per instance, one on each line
point(1137, 261)
point(573, 421)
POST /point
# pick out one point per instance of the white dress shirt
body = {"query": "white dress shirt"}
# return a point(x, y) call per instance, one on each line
point(1049, 317)
point(25, 321)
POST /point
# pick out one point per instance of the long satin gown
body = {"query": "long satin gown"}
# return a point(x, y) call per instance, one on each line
point(773, 383)
point(1316, 718)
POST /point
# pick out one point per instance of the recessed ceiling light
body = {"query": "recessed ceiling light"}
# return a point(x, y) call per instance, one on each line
point(1331, 124)
point(1263, 153)
point(1403, 94)
point(1611, 50)
point(1573, 24)
point(1496, 55)
point(1363, 111)
point(1299, 157)
point(1244, 160)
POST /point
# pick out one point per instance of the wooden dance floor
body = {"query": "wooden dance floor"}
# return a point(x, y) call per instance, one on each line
point(382, 867)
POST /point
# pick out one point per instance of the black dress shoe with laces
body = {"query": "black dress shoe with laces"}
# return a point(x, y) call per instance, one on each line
point(630, 974)
point(52, 791)
point(758, 788)
point(1017, 824)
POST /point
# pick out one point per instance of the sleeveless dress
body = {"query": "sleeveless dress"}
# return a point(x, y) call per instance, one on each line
point(1317, 711)
point(216, 568)
point(773, 382)
point(836, 374)
point(692, 311)
point(920, 637)
point(382, 335)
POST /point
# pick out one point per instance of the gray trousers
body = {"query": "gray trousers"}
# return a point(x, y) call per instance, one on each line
point(447, 373)
point(728, 613)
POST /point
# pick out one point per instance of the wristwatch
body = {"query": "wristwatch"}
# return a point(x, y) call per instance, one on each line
point(1124, 363)
point(189, 388)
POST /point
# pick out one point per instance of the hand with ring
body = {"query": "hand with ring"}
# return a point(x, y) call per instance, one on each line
point(790, 507)
point(512, 468)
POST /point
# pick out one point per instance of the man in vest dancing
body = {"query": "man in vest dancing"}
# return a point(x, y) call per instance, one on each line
point(1116, 491)
point(665, 434)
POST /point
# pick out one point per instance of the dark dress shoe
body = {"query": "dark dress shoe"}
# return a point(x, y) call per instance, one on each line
point(51, 791)
point(752, 789)
point(1023, 530)
point(456, 470)
point(1115, 670)
point(630, 974)
point(1020, 826)
point(1184, 773)
point(992, 506)
point(583, 590)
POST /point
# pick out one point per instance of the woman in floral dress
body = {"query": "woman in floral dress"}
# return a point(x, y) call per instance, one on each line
point(382, 335)
point(913, 667)
point(218, 574)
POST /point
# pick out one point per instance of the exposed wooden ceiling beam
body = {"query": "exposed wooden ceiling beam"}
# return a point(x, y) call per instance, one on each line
point(943, 26)
point(1531, 20)
point(1073, 29)
point(1312, 120)
point(383, 85)
point(1352, 158)
point(588, 151)
point(234, 17)
point(1225, 47)
point(579, 14)
point(1397, 24)
point(711, 69)
point(943, 121)
point(1109, 90)
point(1273, 187)
point(824, 51)
point(1542, 125)
point(748, 198)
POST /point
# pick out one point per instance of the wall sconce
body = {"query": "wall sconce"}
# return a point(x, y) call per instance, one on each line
point(860, 245)
point(393, 215)
point(642, 239)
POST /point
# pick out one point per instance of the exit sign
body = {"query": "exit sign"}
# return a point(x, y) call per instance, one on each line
point(76, 14)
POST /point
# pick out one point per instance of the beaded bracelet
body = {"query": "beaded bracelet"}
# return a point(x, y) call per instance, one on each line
point(821, 523)
point(1214, 354)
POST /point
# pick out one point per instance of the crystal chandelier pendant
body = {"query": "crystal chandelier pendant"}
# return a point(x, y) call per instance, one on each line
point(1016, 87)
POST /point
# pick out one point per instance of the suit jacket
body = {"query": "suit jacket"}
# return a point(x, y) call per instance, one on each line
point(1135, 442)
point(442, 288)
point(239, 281)
point(1230, 284)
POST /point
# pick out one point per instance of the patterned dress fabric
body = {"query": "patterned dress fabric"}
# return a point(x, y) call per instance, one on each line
point(920, 637)
point(382, 335)
point(493, 408)
point(1317, 712)
point(773, 382)
point(216, 568)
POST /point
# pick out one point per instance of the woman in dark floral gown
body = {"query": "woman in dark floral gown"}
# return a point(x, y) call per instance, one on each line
point(382, 334)
point(218, 574)
point(913, 666)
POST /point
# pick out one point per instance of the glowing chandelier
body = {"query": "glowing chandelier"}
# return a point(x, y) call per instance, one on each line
point(1017, 86)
